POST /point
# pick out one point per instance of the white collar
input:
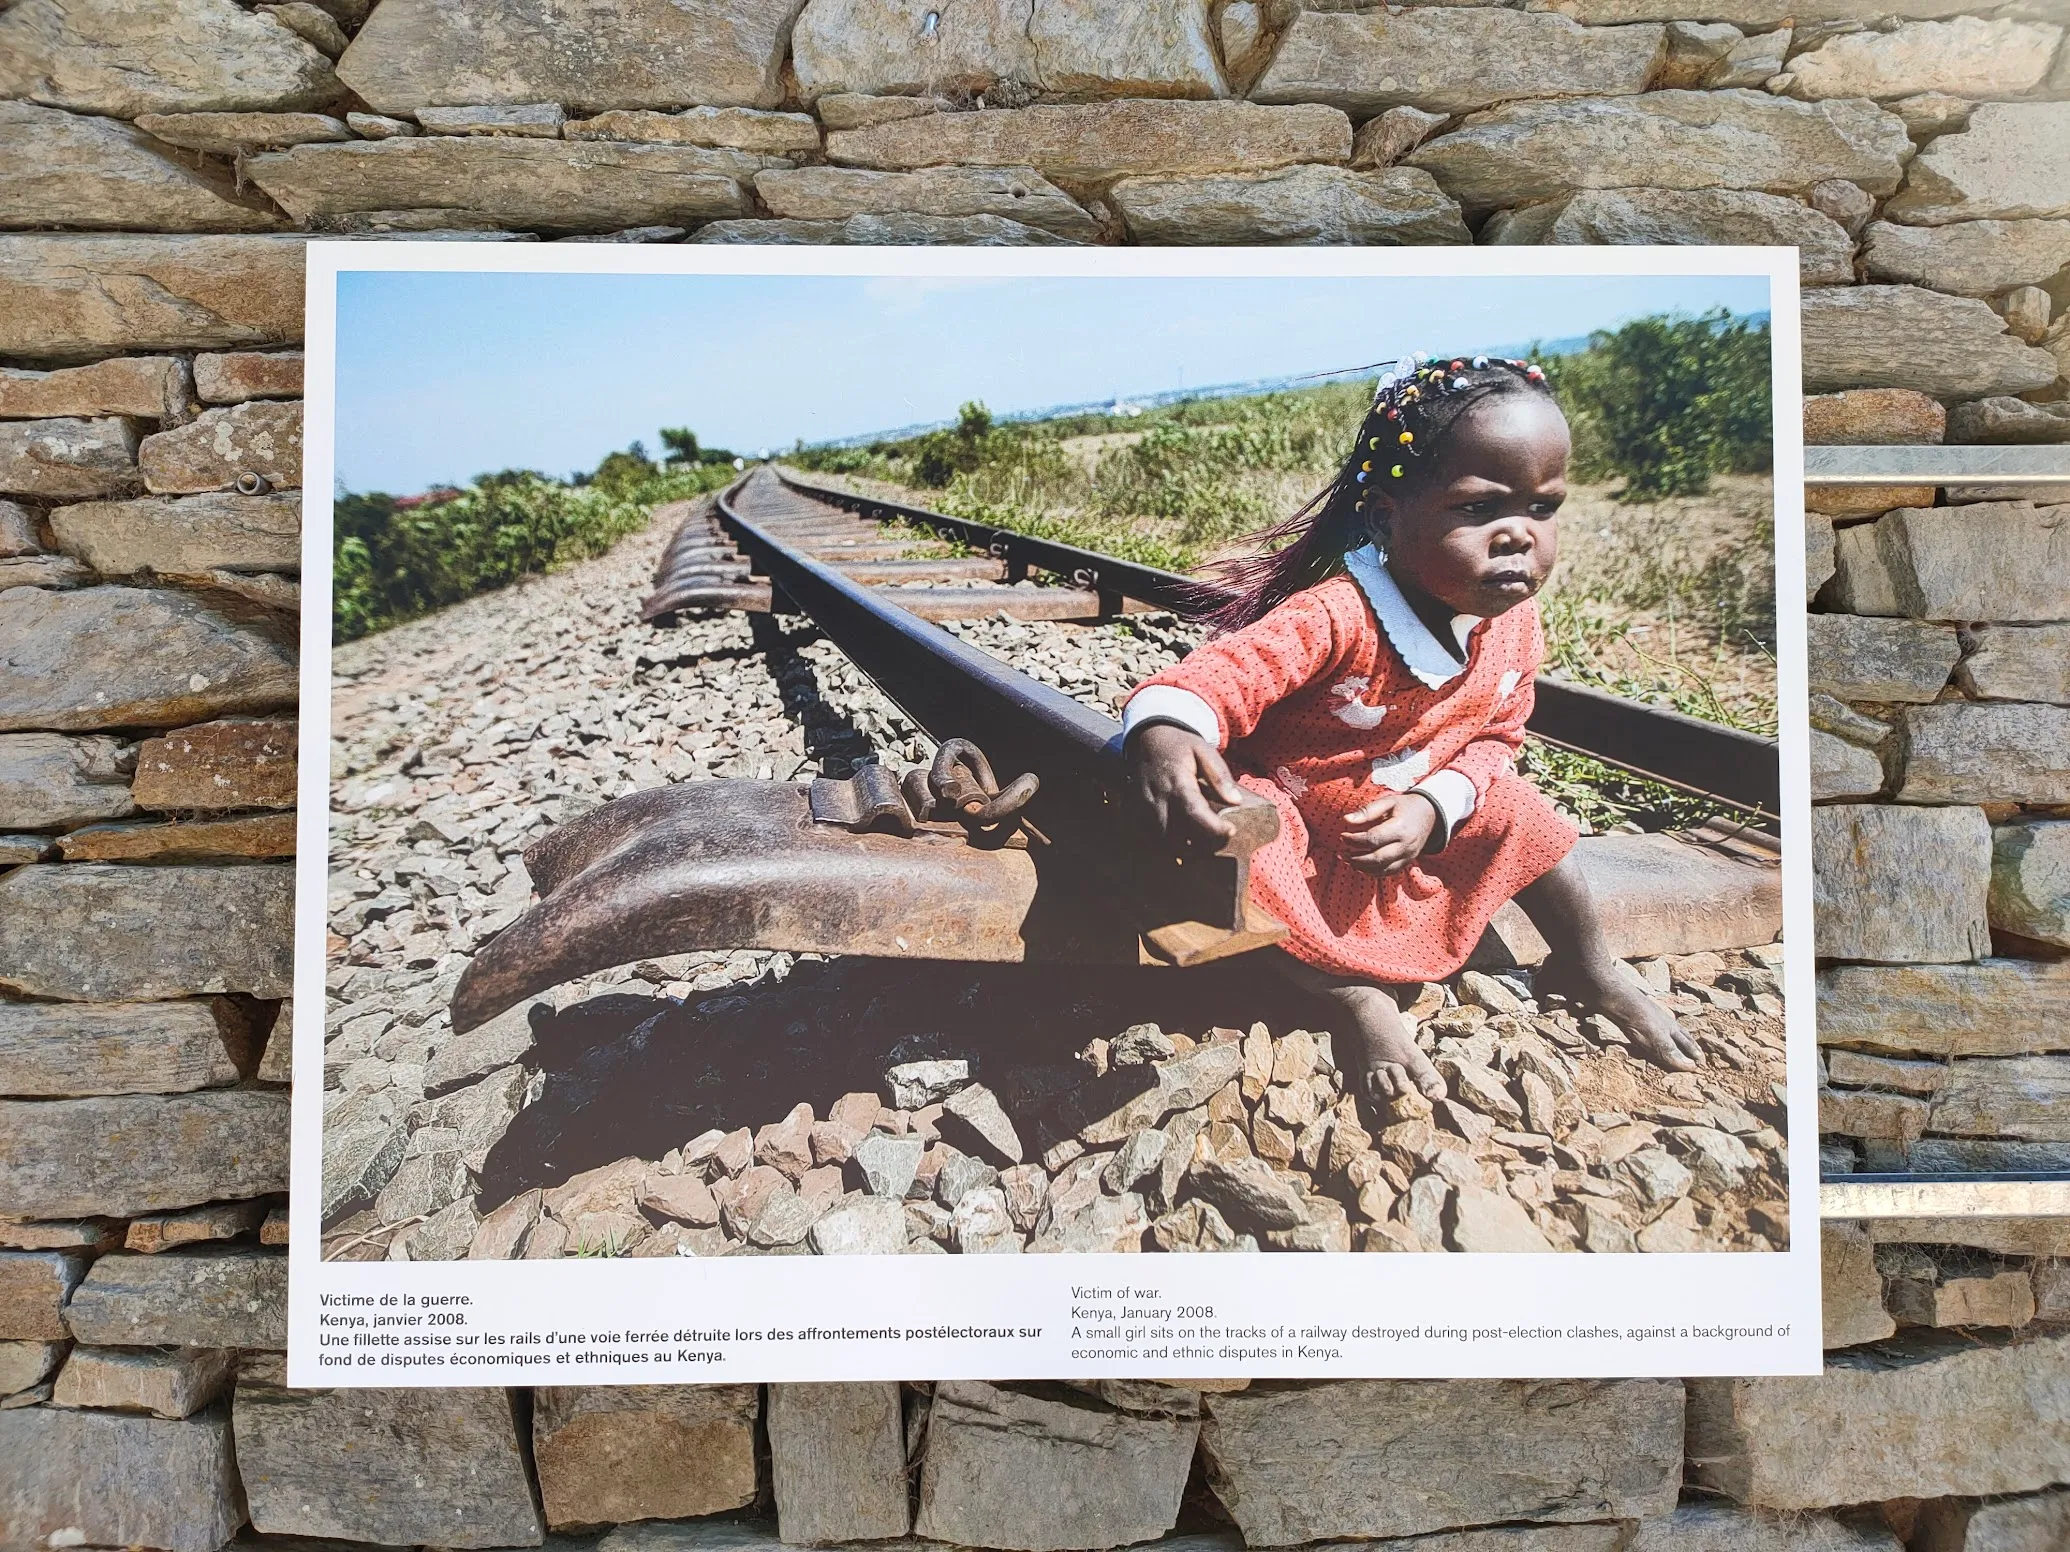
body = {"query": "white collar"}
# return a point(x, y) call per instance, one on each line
point(1424, 655)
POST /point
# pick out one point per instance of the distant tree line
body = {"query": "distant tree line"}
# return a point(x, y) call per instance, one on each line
point(395, 558)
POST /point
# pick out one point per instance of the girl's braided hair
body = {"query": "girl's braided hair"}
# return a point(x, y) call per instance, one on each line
point(1414, 406)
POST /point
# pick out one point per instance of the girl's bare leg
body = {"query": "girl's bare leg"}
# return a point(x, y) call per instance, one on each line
point(1384, 1057)
point(1582, 967)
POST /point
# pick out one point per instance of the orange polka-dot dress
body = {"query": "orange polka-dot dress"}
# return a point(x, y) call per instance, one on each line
point(1343, 693)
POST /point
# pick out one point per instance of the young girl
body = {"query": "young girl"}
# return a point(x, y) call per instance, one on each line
point(1372, 682)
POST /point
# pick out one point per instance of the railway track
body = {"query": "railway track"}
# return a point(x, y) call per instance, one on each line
point(1013, 846)
point(904, 553)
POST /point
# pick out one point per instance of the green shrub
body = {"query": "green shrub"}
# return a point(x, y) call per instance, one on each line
point(1667, 402)
point(395, 560)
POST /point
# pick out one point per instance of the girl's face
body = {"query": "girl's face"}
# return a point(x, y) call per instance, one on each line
point(1477, 533)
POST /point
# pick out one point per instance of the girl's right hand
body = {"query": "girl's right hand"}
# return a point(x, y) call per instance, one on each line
point(1181, 780)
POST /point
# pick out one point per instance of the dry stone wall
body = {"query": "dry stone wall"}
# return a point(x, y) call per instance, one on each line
point(160, 167)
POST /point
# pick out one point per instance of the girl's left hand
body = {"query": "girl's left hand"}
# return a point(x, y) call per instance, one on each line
point(1389, 833)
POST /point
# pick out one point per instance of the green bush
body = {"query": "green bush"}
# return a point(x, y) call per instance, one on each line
point(1667, 402)
point(395, 560)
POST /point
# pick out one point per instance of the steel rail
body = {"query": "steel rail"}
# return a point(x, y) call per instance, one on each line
point(1683, 752)
point(1021, 553)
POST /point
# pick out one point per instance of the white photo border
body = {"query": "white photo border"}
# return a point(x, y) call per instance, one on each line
point(751, 1319)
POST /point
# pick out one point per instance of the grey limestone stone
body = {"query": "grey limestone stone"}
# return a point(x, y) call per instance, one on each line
point(1854, 658)
point(2034, 1522)
point(399, 1467)
point(100, 932)
point(1347, 1459)
point(646, 54)
point(1936, 860)
point(1707, 1526)
point(836, 193)
point(184, 56)
point(1964, 752)
point(1936, 1416)
point(77, 298)
point(1040, 1473)
point(185, 535)
point(123, 1154)
point(105, 1479)
point(2010, 162)
point(1685, 216)
point(1525, 152)
point(69, 458)
point(1984, 561)
point(166, 1382)
point(1105, 139)
point(1996, 1007)
point(73, 667)
point(1884, 336)
point(56, 1049)
point(1967, 258)
point(1447, 60)
point(1389, 206)
point(550, 185)
point(204, 1299)
point(2017, 663)
point(47, 779)
point(837, 1458)
point(1967, 56)
point(1011, 49)
point(91, 173)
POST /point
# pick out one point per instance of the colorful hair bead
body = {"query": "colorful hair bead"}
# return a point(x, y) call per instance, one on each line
point(1367, 466)
point(1479, 362)
point(1397, 471)
point(1406, 438)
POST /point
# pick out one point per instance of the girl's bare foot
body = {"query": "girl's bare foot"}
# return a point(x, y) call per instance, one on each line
point(1377, 1050)
point(1385, 1059)
point(1607, 987)
point(1582, 968)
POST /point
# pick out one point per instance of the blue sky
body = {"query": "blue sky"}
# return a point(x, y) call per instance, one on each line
point(445, 376)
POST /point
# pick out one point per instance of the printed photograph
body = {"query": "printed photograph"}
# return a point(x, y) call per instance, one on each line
point(1028, 762)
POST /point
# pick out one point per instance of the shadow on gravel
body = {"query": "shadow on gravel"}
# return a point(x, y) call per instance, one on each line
point(634, 1076)
point(832, 742)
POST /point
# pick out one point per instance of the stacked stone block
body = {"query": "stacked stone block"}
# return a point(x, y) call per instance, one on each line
point(160, 168)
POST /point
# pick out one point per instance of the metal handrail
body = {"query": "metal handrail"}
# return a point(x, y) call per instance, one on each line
point(1997, 1194)
point(1937, 464)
